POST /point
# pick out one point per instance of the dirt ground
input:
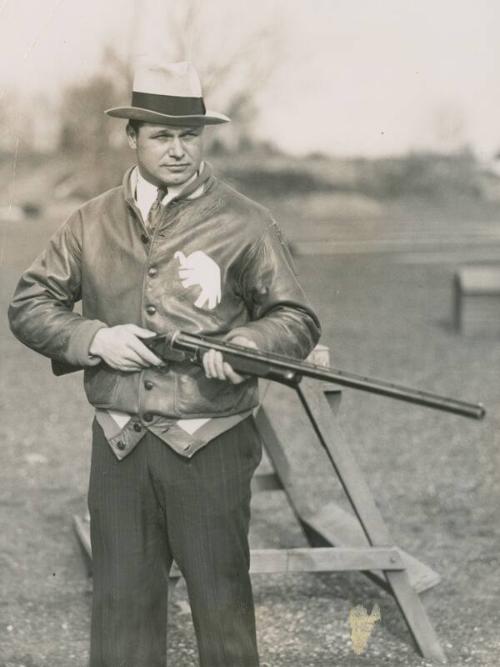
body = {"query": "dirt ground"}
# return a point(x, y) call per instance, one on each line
point(435, 477)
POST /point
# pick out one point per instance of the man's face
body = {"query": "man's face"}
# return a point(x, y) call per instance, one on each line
point(167, 154)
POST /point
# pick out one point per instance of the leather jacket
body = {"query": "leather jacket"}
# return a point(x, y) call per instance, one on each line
point(215, 265)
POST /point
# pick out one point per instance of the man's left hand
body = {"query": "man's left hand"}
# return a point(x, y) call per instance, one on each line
point(215, 366)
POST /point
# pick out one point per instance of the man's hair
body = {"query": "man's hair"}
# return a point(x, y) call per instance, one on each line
point(134, 125)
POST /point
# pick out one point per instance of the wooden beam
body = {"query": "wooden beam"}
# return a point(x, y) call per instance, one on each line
point(292, 560)
point(320, 559)
point(267, 481)
point(82, 530)
point(331, 525)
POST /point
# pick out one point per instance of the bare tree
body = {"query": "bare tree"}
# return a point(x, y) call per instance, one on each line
point(86, 133)
point(16, 121)
point(83, 124)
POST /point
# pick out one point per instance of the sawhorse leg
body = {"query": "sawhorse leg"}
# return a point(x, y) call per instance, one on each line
point(363, 504)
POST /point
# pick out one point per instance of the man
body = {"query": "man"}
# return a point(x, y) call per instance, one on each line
point(174, 446)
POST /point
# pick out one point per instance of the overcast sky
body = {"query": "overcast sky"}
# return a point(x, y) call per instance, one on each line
point(350, 76)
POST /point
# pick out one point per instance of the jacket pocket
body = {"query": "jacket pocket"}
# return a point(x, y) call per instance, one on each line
point(100, 384)
point(195, 394)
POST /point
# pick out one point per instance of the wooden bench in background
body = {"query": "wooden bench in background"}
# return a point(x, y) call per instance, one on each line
point(477, 299)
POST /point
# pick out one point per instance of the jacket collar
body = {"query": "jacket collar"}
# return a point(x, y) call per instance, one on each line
point(194, 189)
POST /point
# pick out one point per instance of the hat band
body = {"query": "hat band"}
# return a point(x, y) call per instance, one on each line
point(171, 105)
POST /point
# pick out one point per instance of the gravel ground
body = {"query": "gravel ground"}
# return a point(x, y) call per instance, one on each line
point(435, 477)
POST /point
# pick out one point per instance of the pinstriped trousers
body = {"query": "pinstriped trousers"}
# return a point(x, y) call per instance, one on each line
point(155, 506)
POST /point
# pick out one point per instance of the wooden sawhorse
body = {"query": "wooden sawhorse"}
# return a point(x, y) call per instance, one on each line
point(338, 542)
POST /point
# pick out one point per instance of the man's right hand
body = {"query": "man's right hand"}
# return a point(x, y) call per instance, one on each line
point(120, 347)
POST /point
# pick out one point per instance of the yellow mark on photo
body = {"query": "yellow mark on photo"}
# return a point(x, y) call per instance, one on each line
point(362, 625)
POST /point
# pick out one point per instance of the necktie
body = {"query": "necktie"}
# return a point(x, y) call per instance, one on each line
point(156, 210)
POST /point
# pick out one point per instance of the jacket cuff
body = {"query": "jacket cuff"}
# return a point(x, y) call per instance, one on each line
point(77, 353)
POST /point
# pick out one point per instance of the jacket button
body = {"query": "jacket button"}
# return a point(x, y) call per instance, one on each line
point(148, 417)
point(152, 271)
point(150, 310)
point(137, 427)
point(260, 293)
point(144, 238)
point(149, 385)
point(121, 445)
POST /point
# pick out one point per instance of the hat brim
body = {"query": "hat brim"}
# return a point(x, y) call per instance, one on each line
point(148, 116)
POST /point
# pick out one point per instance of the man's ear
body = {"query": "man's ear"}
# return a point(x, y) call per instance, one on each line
point(131, 136)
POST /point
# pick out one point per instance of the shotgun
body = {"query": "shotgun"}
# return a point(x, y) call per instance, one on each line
point(185, 347)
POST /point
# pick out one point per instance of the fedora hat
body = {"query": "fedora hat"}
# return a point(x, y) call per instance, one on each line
point(169, 94)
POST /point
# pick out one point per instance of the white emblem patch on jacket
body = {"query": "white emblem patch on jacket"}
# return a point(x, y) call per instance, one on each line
point(201, 270)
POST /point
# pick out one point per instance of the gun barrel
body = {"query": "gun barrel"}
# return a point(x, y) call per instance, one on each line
point(292, 371)
point(399, 392)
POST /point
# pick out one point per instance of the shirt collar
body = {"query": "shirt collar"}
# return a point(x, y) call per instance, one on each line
point(143, 188)
point(145, 192)
point(193, 189)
